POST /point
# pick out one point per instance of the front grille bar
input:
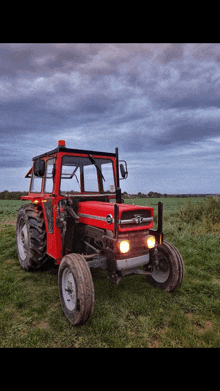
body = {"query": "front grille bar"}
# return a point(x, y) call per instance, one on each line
point(135, 221)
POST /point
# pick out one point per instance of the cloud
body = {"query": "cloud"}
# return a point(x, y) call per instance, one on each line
point(41, 58)
point(207, 52)
point(166, 53)
point(13, 62)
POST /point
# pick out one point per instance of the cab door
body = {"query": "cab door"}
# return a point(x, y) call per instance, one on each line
point(49, 206)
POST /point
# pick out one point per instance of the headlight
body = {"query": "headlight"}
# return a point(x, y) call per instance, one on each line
point(124, 246)
point(150, 241)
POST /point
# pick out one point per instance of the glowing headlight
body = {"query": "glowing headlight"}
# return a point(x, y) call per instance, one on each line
point(150, 240)
point(124, 246)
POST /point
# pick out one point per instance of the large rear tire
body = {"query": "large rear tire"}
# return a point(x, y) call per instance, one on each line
point(168, 273)
point(76, 289)
point(31, 237)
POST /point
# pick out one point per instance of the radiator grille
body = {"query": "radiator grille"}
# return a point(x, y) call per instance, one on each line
point(134, 218)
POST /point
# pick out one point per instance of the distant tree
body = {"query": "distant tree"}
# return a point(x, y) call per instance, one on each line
point(125, 195)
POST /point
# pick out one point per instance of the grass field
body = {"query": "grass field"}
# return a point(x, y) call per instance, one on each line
point(131, 314)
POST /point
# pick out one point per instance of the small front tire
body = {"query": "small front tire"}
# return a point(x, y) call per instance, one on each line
point(169, 271)
point(76, 289)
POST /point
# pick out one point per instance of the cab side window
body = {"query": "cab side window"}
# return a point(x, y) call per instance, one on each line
point(50, 170)
point(36, 183)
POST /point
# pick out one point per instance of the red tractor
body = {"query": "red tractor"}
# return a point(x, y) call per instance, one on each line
point(77, 216)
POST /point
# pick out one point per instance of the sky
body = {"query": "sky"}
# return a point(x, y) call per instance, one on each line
point(158, 103)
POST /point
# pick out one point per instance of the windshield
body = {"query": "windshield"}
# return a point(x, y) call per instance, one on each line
point(86, 174)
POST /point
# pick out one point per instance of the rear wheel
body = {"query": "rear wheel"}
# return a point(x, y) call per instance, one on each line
point(168, 272)
point(76, 288)
point(31, 237)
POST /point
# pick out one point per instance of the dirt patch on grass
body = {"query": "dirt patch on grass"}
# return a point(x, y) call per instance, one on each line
point(216, 281)
point(9, 261)
point(201, 326)
point(42, 325)
point(207, 326)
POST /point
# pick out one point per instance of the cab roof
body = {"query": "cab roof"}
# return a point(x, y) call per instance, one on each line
point(78, 151)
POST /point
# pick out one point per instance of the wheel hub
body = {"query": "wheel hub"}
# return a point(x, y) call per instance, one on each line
point(161, 269)
point(69, 289)
point(163, 266)
point(23, 241)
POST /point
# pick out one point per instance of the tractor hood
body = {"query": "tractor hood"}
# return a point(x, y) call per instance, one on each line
point(101, 215)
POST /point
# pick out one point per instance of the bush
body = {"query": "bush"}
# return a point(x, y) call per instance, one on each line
point(206, 212)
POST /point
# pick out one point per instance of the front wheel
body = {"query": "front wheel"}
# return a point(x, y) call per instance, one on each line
point(168, 267)
point(76, 288)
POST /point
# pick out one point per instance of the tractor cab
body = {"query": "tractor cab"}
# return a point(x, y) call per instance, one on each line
point(70, 172)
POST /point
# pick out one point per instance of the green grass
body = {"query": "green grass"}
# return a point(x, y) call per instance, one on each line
point(132, 313)
point(8, 210)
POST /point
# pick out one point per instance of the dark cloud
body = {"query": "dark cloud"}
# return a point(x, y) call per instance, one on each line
point(39, 58)
point(28, 115)
point(66, 60)
point(170, 52)
point(195, 102)
point(189, 132)
point(11, 62)
point(208, 51)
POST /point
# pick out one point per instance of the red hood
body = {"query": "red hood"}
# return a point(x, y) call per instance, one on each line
point(101, 214)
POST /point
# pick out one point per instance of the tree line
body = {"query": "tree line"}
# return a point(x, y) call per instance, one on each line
point(154, 194)
point(12, 195)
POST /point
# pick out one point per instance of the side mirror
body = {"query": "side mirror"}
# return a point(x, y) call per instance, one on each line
point(124, 170)
point(39, 167)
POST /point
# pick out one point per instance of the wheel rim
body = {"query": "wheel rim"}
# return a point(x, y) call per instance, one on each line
point(69, 289)
point(22, 240)
point(162, 272)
